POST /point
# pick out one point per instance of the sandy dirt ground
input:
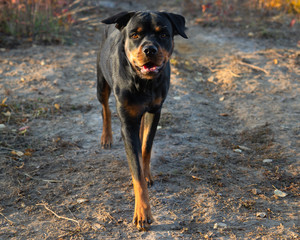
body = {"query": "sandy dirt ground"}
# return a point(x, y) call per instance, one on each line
point(225, 158)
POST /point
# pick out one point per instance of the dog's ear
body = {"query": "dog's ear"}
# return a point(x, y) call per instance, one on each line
point(121, 19)
point(178, 23)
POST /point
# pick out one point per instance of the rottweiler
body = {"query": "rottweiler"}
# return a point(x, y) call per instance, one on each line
point(134, 63)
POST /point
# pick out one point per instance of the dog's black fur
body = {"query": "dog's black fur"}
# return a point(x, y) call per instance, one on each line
point(134, 63)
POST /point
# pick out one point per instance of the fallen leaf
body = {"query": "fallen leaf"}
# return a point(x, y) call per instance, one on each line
point(28, 152)
point(222, 99)
point(237, 150)
point(244, 148)
point(224, 114)
point(220, 225)
point(23, 128)
point(267, 160)
point(57, 139)
point(3, 102)
point(20, 167)
point(280, 193)
point(197, 178)
point(292, 23)
point(97, 226)
point(7, 114)
point(275, 61)
point(56, 105)
point(208, 235)
point(261, 214)
point(18, 153)
point(23, 132)
point(82, 200)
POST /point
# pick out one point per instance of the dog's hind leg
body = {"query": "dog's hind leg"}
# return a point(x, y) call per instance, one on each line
point(103, 93)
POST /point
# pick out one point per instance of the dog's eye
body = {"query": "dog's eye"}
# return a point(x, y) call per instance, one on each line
point(163, 35)
point(134, 36)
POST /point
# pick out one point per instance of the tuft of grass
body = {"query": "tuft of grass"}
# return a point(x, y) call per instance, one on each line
point(42, 21)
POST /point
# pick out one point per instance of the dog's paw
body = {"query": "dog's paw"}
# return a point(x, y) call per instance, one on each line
point(149, 180)
point(142, 217)
point(147, 174)
point(106, 140)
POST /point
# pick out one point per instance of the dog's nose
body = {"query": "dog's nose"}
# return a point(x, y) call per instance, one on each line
point(150, 50)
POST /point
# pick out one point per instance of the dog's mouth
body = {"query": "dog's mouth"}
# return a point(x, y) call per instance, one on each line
point(150, 68)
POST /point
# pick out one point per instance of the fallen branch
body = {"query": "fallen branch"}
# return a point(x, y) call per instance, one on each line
point(56, 215)
point(253, 67)
point(10, 222)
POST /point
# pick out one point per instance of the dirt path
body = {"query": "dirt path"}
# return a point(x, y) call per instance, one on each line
point(228, 137)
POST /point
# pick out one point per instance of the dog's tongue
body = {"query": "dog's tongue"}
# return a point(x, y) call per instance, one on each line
point(149, 68)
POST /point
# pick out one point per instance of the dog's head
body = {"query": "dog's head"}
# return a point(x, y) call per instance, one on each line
point(148, 39)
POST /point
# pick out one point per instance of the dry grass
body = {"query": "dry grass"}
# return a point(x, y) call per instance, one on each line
point(45, 21)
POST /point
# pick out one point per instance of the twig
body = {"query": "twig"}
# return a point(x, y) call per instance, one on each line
point(74, 3)
point(10, 222)
point(233, 74)
point(70, 211)
point(213, 70)
point(39, 179)
point(6, 148)
point(69, 233)
point(253, 67)
point(56, 215)
point(197, 178)
point(74, 11)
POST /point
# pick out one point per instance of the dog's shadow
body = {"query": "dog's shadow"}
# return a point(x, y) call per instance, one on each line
point(165, 227)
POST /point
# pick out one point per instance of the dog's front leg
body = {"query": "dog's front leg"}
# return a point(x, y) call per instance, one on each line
point(147, 132)
point(131, 120)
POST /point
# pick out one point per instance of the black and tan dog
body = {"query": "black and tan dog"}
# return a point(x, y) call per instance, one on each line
point(134, 63)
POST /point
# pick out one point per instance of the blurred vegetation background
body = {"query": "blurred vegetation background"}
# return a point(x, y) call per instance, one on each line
point(41, 21)
point(287, 5)
point(50, 21)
